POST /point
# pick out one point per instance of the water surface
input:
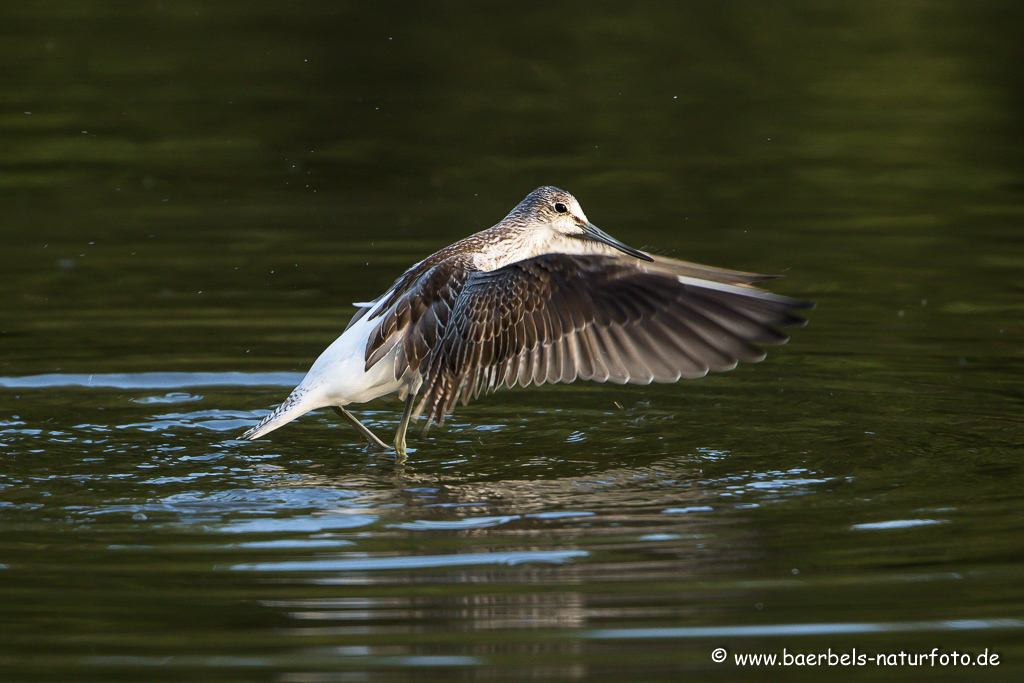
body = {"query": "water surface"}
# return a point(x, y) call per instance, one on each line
point(194, 194)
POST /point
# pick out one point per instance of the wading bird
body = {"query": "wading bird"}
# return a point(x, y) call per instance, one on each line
point(543, 296)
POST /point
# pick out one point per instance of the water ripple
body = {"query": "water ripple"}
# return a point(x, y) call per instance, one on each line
point(415, 562)
point(823, 629)
point(467, 523)
point(298, 524)
point(896, 524)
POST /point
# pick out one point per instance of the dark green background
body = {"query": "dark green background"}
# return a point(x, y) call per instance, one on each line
point(205, 187)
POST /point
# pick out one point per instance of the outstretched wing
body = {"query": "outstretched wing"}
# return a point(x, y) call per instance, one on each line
point(560, 317)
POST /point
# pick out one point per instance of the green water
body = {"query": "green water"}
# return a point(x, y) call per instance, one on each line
point(193, 194)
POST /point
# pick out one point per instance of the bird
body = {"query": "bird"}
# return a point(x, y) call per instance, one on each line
point(543, 296)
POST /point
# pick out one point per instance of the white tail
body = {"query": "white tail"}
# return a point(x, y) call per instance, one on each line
point(298, 404)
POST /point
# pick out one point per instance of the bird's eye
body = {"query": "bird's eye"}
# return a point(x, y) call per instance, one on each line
point(560, 207)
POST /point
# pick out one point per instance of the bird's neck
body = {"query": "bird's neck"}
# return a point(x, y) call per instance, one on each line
point(499, 246)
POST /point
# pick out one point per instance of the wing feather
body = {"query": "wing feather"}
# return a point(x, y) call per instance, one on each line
point(562, 317)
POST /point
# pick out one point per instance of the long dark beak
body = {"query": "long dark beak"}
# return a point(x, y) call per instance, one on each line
point(595, 233)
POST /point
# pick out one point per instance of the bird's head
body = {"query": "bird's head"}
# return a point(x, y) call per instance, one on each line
point(549, 208)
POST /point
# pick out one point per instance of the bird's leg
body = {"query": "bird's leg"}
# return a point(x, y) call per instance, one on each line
point(404, 425)
point(350, 418)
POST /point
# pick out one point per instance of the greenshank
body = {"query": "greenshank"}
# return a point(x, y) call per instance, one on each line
point(544, 296)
